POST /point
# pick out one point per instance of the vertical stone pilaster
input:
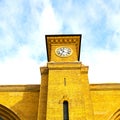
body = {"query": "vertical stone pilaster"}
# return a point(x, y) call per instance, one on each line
point(43, 94)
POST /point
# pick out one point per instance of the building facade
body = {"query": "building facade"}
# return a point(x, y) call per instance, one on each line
point(65, 92)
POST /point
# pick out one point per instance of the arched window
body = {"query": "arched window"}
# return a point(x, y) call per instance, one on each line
point(65, 111)
point(116, 115)
point(7, 114)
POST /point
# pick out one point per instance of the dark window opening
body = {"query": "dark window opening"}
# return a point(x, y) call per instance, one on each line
point(65, 111)
point(64, 81)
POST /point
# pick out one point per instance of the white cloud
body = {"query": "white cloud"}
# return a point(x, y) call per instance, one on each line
point(20, 69)
point(103, 66)
point(49, 23)
point(44, 18)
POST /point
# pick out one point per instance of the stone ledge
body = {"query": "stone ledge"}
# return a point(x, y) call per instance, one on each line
point(105, 86)
point(36, 88)
point(19, 88)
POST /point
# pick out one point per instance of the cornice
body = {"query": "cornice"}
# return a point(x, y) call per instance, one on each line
point(44, 70)
point(19, 88)
point(64, 65)
point(36, 88)
point(63, 39)
point(105, 86)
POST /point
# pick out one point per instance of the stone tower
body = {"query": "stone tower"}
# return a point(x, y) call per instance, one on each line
point(64, 90)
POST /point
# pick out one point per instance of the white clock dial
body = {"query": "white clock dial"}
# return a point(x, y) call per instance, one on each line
point(63, 51)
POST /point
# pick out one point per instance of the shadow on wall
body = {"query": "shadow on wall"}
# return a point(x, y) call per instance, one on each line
point(27, 107)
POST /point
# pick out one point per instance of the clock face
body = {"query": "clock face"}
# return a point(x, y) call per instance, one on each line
point(63, 51)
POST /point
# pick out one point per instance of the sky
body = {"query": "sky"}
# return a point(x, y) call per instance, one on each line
point(24, 24)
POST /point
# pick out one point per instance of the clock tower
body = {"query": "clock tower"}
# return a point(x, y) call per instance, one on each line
point(64, 90)
point(63, 48)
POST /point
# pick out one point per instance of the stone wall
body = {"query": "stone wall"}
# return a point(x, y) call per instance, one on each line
point(106, 101)
point(21, 99)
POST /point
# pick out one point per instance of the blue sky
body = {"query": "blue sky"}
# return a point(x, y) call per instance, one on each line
point(24, 24)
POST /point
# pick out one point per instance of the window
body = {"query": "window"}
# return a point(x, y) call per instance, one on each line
point(65, 111)
point(7, 114)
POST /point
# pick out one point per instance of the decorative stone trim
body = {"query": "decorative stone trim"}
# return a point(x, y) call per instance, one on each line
point(107, 86)
point(84, 69)
point(19, 88)
point(64, 98)
point(7, 114)
point(116, 115)
point(64, 39)
point(44, 70)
